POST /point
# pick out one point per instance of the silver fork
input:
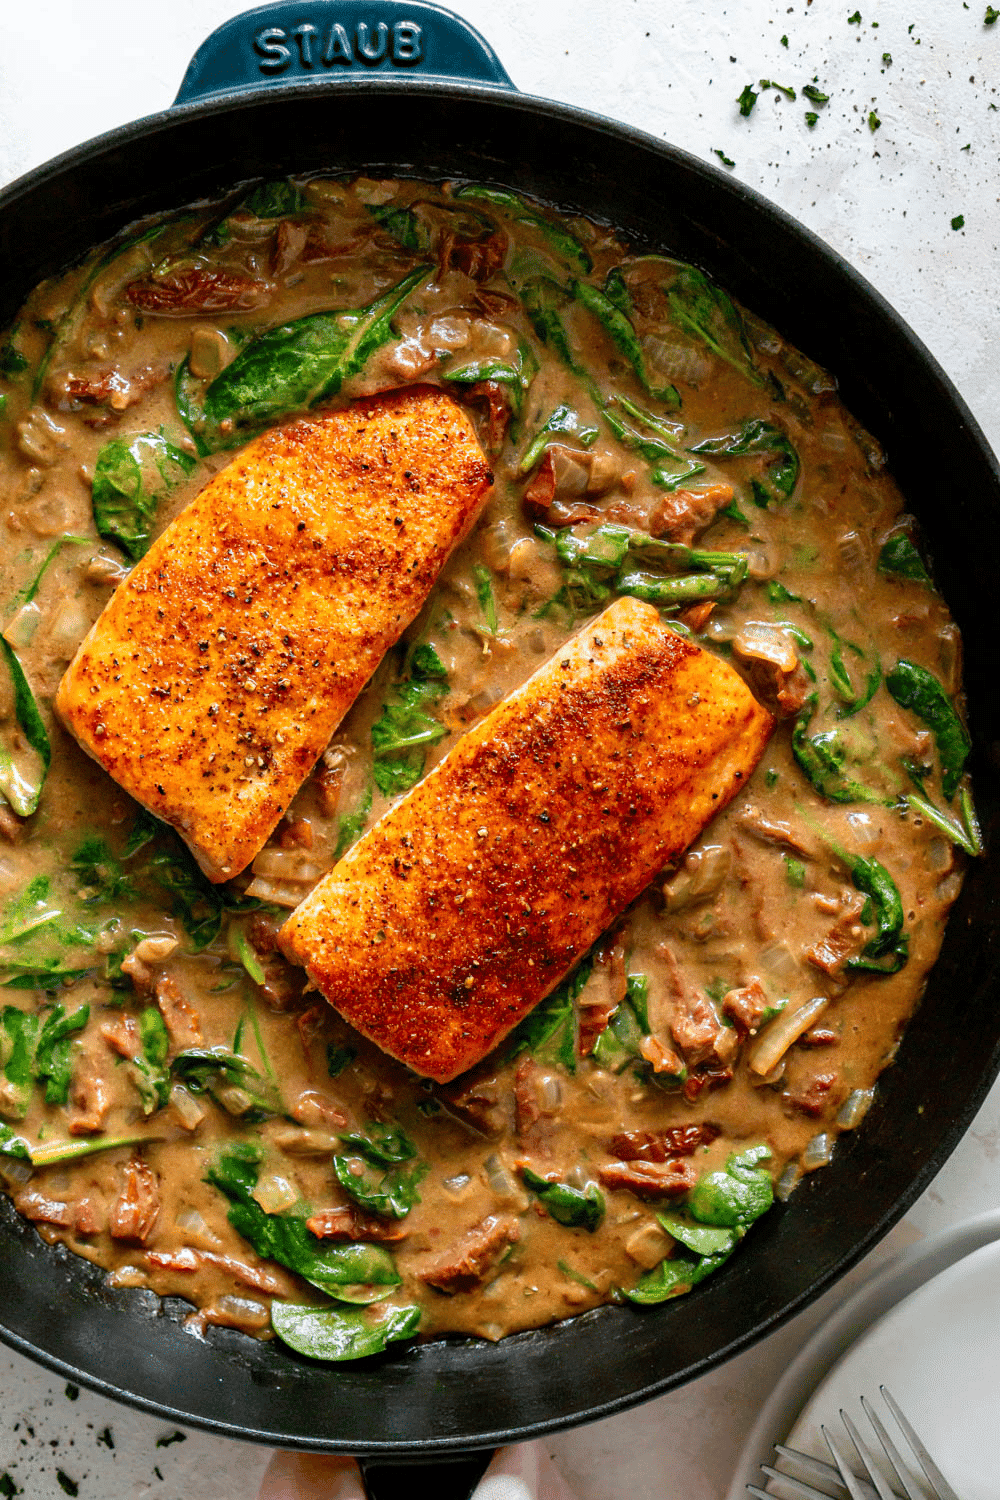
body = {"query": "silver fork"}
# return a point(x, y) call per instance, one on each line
point(839, 1480)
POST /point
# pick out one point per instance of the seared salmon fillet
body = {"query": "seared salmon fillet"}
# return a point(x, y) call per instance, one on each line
point(213, 680)
point(473, 897)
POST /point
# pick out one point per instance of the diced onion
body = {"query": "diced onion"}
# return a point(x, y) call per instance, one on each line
point(760, 639)
point(191, 1221)
point(21, 629)
point(854, 1108)
point(787, 1181)
point(550, 1092)
point(244, 1311)
point(457, 1185)
point(866, 831)
point(68, 628)
point(275, 1193)
point(235, 1101)
point(778, 1036)
point(16, 1170)
point(852, 552)
point(817, 1152)
point(155, 948)
point(780, 964)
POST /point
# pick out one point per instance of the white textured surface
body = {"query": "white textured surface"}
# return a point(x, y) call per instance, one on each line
point(885, 200)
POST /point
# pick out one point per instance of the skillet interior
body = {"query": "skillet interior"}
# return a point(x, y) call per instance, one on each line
point(449, 1395)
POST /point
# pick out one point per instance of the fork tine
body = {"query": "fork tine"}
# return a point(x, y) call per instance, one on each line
point(853, 1485)
point(867, 1458)
point(937, 1480)
point(892, 1453)
point(815, 1468)
point(801, 1488)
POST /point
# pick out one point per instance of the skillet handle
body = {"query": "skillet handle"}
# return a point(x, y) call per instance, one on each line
point(446, 1479)
point(289, 42)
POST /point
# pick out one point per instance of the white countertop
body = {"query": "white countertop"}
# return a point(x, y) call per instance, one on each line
point(883, 198)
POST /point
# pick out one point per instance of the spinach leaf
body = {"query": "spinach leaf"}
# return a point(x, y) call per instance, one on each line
point(198, 904)
point(887, 951)
point(483, 580)
point(352, 825)
point(822, 760)
point(18, 1045)
point(899, 558)
point(517, 373)
point(721, 1208)
point(99, 874)
point(25, 757)
point(918, 690)
point(672, 1278)
point(618, 1044)
point(619, 330)
point(54, 1055)
point(564, 420)
point(390, 1194)
point(216, 1070)
point(966, 834)
point(427, 665)
point(608, 560)
point(565, 244)
point(389, 1190)
point(549, 1032)
point(274, 200)
point(635, 434)
point(403, 224)
point(333, 1333)
point(576, 1208)
point(28, 911)
point(704, 311)
point(544, 300)
point(40, 1051)
point(150, 1073)
point(338, 1058)
point(49, 1153)
point(703, 1239)
point(780, 475)
point(339, 1270)
point(131, 476)
point(290, 368)
point(404, 729)
point(734, 1198)
point(13, 1145)
point(637, 995)
point(12, 361)
point(383, 1145)
point(27, 594)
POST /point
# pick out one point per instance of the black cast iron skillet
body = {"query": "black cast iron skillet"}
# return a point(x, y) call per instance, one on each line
point(389, 117)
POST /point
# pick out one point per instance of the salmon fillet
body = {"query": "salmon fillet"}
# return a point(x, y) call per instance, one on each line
point(220, 668)
point(473, 897)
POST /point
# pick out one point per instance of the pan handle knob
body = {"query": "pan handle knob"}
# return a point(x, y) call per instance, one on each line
point(395, 40)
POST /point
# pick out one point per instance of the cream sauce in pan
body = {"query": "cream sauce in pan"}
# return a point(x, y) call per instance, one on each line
point(763, 920)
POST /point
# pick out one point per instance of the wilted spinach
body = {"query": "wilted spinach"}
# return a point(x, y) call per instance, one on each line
point(349, 1273)
point(24, 766)
point(334, 1333)
point(781, 472)
point(373, 1173)
point(721, 1207)
point(131, 476)
point(289, 369)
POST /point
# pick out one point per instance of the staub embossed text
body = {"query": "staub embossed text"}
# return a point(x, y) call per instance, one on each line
point(309, 46)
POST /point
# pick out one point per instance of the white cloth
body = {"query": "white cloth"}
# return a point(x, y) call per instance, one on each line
point(522, 1473)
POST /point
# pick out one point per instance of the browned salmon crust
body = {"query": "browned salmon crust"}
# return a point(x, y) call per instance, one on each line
point(217, 673)
point(473, 897)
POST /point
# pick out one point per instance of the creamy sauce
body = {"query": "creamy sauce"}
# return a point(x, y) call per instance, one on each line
point(762, 912)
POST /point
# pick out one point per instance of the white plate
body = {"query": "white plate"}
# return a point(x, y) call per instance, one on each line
point(920, 1361)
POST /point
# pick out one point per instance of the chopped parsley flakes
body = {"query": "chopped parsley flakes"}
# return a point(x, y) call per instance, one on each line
point(747, 100)
point(727, 161)
point(958, 222)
